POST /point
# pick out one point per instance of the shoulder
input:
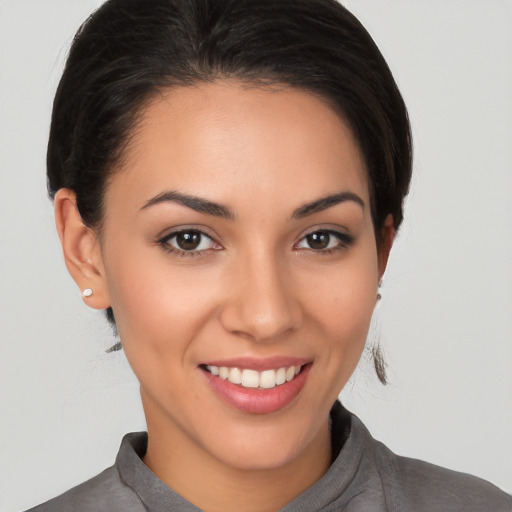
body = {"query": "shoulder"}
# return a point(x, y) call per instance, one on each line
point(418, 485)
point(399, 483)
point(103, 493)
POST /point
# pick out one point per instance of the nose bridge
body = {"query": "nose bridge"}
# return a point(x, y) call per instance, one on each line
point(261, 302)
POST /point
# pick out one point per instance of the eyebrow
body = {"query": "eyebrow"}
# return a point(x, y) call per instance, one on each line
point(218, 210)
point(326, 202)
point(195, 203)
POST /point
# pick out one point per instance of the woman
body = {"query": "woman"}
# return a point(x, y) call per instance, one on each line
point(228, 178)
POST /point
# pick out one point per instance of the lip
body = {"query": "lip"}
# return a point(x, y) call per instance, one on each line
point(258, 401)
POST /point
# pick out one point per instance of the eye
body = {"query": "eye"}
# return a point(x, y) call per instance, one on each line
point(189, 241)
point(325, 241)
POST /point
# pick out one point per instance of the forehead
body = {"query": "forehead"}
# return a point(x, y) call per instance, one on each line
point(225, 138)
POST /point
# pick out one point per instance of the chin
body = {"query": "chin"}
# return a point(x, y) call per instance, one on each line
point(268, 444)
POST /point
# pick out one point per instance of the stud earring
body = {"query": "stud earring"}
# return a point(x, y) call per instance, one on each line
point(379, 295)
point(87, 292)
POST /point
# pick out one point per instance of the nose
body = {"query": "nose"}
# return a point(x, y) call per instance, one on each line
point(261, 304)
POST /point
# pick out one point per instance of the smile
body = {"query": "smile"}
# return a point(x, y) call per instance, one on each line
point(256, 386)
point(247, 378)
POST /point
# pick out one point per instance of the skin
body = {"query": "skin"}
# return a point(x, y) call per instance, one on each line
point(258, 289)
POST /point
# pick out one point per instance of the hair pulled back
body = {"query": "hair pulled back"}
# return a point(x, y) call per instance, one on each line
point(129, 50)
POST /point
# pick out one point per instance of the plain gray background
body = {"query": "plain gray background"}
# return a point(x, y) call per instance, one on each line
point(446, 317)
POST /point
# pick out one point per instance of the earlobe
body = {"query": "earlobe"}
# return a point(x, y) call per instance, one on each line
point(387, 236)
point(82, 251)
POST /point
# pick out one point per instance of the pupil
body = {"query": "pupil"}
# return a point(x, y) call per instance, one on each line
point(318, 240)
point(188, 241)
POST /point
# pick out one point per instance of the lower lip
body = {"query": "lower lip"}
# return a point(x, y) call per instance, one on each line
point(258, 401)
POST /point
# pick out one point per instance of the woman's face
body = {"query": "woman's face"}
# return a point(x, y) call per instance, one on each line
point(238, 241)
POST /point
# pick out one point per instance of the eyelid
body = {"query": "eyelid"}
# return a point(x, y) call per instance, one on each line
point(180, 228)
point(176, 232)
point(335, 229)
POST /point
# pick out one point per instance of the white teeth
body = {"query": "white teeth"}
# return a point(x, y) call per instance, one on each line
point(266, 379)
point(235, 376)
point(250, 379)
point(280, 376)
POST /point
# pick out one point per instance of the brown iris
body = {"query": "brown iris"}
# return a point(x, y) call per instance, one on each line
point(318, 240)
point(189, 240)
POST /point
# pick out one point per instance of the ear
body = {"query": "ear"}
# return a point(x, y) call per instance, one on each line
point(387, 236)
point(82, 251)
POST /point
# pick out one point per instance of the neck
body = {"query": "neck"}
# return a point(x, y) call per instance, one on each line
point(213, 486)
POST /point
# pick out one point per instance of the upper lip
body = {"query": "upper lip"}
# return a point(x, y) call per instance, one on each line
point(259, 364)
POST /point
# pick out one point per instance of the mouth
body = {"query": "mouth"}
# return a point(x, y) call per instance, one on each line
point(253, 379)
point(254, 388)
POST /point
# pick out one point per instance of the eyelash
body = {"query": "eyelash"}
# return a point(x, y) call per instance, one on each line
point(344, 239)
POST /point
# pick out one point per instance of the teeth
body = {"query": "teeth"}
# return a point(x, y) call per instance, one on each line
point(266, 379)
point(235, 376)
point(280, 376)
point(250, 379)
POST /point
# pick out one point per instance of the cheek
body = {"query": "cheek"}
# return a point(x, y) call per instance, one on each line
point(342, 304)
point(156, 304)
point(347, 292)
point(160, 311)
point(345, 323)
